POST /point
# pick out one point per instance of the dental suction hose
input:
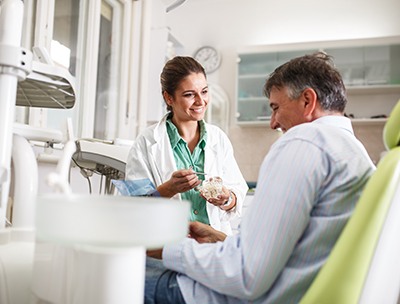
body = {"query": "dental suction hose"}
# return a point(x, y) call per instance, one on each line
point(59, 180)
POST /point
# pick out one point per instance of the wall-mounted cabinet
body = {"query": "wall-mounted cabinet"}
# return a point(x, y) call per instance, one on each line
point(370, 70)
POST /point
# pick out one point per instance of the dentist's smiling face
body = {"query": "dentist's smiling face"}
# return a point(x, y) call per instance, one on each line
point(190, 100)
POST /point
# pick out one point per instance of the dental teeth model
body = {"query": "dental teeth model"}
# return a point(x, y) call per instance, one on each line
point(211, 187)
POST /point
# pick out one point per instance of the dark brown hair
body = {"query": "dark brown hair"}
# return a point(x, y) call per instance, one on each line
point(175, 70)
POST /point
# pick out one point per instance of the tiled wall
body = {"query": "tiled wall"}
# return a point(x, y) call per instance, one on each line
point(371, 137)
point(251, 144)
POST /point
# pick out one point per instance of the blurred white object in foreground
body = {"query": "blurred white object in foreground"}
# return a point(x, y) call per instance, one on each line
point(91, 249)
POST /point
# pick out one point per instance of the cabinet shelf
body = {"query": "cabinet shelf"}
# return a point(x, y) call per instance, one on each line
point(253, 76)
point(253, 98)
point(370, 69)
point(254, 123)
point(374, 89)
point(368, 121)
point(264, 122)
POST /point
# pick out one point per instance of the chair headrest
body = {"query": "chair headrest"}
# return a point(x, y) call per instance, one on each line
point(391, 131)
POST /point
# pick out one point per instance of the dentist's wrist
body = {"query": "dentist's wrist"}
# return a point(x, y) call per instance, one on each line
point(230, 203)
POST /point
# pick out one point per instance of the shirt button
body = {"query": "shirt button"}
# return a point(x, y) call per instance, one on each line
point(196, 212)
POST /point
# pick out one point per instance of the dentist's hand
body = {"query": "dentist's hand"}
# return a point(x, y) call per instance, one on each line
point(222, 199)
point(180, 181)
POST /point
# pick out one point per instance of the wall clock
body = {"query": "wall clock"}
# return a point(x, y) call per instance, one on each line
point(209, 58)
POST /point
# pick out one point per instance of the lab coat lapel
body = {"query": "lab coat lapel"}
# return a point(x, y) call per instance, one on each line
point(161, 153)
point(211, 153)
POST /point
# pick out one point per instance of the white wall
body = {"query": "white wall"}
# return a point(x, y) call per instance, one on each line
point(232, 24)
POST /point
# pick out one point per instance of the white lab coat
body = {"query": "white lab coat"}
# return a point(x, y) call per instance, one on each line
point(151, 156)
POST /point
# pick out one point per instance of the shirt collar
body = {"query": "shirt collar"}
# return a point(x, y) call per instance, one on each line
point(203, 134)
point(175, 137)
point(337, 121)
point(173, 133)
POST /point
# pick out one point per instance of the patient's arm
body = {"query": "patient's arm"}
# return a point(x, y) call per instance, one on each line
point(203, 233)
point(155, 253)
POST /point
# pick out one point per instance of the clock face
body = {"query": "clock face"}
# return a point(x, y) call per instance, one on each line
point(209, 58)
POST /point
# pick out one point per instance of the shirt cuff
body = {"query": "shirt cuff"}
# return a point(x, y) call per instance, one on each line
point(172, 255)
point(154, 193)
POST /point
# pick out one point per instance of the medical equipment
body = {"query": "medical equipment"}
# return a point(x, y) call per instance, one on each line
point(200, 173)
point(14, 66)
point(86, 249)
point(47, 87)
point(174, 5)
point(92, 248)
point(23, 82)
point(19, 73)
point(106, 158)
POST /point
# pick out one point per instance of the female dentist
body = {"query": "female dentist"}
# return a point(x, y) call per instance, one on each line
point(172, 152)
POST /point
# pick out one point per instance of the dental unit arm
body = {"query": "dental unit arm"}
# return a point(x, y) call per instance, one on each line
point(106, 158)
point(23, 82)
point(15, 64)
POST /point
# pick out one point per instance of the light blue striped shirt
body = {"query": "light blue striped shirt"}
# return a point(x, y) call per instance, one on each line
point(308, 185)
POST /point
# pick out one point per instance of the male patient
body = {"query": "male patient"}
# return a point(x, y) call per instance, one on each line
point(307, 188)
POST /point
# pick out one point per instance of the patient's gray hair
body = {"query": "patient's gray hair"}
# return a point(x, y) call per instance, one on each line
point(315, 71)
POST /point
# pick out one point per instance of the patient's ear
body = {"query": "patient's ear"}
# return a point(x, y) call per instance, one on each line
point(310, 102)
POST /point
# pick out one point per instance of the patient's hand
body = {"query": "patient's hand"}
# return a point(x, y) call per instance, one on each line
point(155, 253)
point(203, 233)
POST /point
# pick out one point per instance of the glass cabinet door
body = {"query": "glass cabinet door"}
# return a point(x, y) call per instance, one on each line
point(368, 65)
point(253, 70)
point(370, 71)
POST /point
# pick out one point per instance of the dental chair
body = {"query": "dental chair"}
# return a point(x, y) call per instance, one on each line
point(364, 266)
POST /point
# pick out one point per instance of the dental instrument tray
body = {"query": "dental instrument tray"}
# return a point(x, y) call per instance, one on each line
point(47, 86)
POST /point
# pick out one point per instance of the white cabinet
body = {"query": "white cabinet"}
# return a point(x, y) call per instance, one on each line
point(370, 69)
